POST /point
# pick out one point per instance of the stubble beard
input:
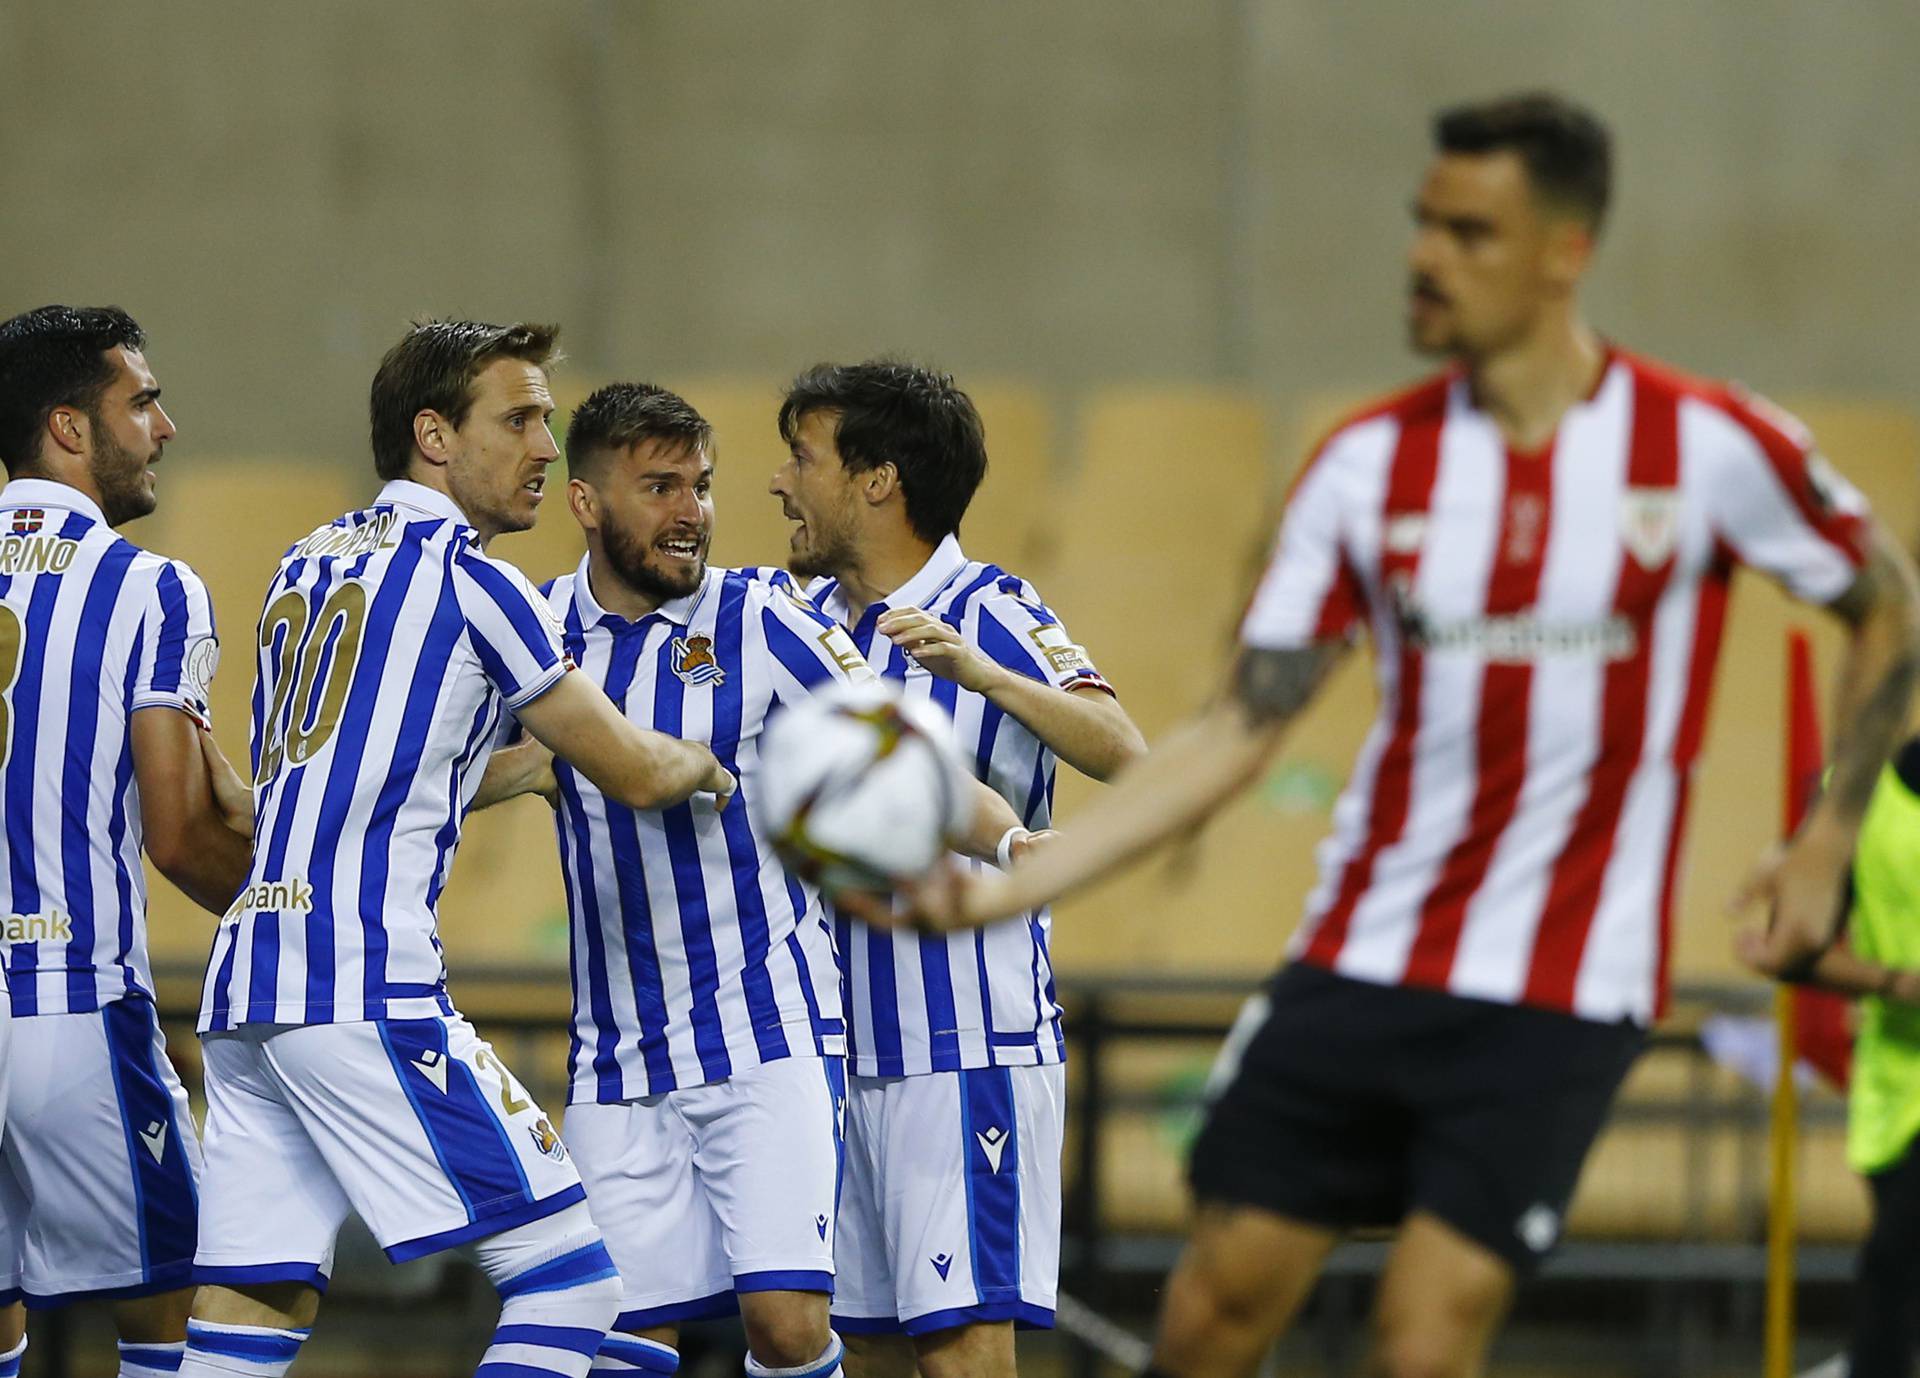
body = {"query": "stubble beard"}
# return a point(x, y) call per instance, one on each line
point(629, 560)
point(120, 476)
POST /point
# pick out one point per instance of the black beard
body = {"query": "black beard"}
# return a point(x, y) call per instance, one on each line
point(117, 473)
point(629, 560)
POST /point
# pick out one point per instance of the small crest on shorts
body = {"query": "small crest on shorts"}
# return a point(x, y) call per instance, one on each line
point(548, 1142)
point(942, 1264)
point(27, 520)
point(820, 1223)
point(694, 663)
point(1650, 524)
point(993, 1143)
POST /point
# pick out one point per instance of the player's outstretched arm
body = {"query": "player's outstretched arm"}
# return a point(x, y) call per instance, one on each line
point(1087, 728)
point(639, 768)
point(189, 834)
point(1804, 881)
point(1186, 778)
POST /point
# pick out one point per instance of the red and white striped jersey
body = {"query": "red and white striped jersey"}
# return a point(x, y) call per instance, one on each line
point(1545, 627)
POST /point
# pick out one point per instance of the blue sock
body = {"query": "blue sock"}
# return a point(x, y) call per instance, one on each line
point(144, 1360)
point(10, 1361)
point(239, 1351)
point(826, 1366)
point(553, 1316)
point(629, 1354)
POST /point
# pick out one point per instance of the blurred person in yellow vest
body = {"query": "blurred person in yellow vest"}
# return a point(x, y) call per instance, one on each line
point(1879, 963)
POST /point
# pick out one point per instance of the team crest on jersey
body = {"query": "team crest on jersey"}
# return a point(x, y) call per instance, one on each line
point(27, 520)
point(1404, 532)
point(1650, 525)
point(548, 1142)
point(693, 662)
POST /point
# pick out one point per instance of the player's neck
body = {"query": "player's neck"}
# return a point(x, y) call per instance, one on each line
point(615, 594)
point(1528, 387)
point(72, 474)
point(883, 566)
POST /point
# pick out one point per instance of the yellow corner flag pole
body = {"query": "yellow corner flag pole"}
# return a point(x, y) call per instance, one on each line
point(1780, 1205)
point(1803, 757)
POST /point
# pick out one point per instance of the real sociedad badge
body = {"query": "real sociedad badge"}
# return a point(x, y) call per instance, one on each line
point(693, 662)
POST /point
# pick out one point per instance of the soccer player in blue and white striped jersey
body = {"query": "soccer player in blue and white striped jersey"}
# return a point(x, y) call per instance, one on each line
point(705, 1073)
point(106, 653)
point(339, 1075)
point(950, 1216)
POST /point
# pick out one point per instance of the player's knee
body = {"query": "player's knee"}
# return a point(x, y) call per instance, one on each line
point(562, 1255)
point(787, 1336)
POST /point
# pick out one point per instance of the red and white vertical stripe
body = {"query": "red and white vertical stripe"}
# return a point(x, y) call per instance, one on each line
point(1545, 628)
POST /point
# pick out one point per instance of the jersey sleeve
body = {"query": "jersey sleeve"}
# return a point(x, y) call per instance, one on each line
point(1019, 632)
point(512, 630)
point(805, 647)
point(1781, 508)
point(179, 648)
point(1309, 592)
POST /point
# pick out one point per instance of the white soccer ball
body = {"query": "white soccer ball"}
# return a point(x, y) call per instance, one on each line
point(860, 787)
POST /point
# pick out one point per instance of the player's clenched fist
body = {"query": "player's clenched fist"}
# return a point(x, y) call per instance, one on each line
point(934, 643)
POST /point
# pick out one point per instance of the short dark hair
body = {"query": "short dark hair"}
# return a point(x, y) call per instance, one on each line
point(433, 368)
point(1567, 150)
point(55, 356)
point(622, 415)
point(900, 413)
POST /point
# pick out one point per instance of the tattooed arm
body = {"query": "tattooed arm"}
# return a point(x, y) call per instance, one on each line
point(1186, 778)
point(1803, 882)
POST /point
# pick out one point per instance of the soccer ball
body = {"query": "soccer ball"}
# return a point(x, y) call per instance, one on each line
point(861, 788)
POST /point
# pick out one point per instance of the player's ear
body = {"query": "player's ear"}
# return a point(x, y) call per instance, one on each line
point(879, 483)
point(432, 436)
point(69, 429)
point(584, 503)
point(1569, 250)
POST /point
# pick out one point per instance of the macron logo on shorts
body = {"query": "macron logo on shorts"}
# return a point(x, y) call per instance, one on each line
point(154, 1136)
point(942, 1264)
point(993, 1143)
point(433, 1067)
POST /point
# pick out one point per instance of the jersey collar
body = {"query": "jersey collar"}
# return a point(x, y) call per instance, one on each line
point(46, 492)
point(945, 562)
point(404, 492)
point(679, 611)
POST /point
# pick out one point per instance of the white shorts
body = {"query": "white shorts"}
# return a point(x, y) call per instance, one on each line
point(99, 1168)
point(413, 1123)
point(950, 1207)
point(714, 1190)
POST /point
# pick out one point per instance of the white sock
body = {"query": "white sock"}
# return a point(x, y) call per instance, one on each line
point(10, 1361)
point(554, 1315)
point(145, 1360)
point(826, 1366)
point(239, 1351)
point(630, 1354)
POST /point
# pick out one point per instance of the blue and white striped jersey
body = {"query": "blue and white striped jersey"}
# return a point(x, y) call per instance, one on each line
point(92, 628)
point(696, 954)
point(389, 647)
point(922, 1003)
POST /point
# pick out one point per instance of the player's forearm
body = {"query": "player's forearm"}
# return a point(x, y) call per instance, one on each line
point(205, 859)
point(1875, 693)
point(513, 771)
point(1088, 729)
point(657, 771)
point(1185, 779)
point(991, 818)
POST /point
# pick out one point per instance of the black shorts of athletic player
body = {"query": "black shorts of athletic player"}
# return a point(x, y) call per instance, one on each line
point(1355, 1104)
